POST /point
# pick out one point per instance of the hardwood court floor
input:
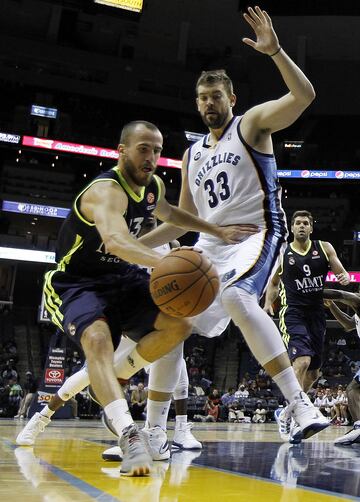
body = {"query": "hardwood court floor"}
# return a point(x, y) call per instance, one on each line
point(239, 462)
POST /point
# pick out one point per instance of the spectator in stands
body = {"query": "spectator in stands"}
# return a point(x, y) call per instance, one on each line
point(241, 392)
point(236, 413)
point(226, 400)
point(341, 407)
point(212, 404)
point(138, 402)
point(254, 390)
point(30, 388)
point(319, 398)
point(327, 407)
point(9, 373)
point(15, 395)
point(259, 416)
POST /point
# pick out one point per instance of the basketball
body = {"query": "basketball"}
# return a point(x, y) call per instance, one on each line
point(184, 284)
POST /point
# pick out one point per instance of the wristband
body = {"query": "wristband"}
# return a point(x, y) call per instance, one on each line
point(276, 52)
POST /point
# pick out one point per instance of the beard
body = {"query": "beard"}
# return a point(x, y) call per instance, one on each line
point(138, 177)
point(215, 121)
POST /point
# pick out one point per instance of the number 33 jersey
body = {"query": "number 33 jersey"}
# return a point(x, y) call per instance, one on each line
point(232, 183)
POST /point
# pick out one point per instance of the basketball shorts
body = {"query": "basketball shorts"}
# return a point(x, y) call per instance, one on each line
point(303, 332)
point(74, 303)
point(248, 265)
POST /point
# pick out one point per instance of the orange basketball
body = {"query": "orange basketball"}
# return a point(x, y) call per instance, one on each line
point(184, 284)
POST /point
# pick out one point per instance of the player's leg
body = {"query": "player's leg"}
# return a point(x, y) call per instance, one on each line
point(40, 420)
point(301, 365)
point(310, 378)
point(241, 301)
point(183, 437)
point(353, 393)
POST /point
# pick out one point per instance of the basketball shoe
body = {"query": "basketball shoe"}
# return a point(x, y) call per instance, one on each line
point(283, 419)
point(184, 439)
point(136, 457)
point(32, 429)
point(158, 443)
point(308, 420)
point(158, 446)
point(351, 437)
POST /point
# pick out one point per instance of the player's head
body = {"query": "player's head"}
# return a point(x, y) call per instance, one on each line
point(139, 151)
point(215, 98)
point(302, 225)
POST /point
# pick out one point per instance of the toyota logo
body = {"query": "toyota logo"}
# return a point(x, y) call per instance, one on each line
point(54, 374)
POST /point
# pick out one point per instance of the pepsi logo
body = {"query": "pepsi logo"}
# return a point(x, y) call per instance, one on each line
point(305, 173)
point(339, 175)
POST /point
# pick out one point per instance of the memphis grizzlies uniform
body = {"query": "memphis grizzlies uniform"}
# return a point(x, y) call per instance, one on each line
point(233, 183)
point(302, 320)
point(89, 283)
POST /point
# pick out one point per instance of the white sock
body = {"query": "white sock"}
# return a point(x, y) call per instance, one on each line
point(157, 413)
point(288, 383)
point(46, 412)
point(119, 414)
point(130, 364)
point(180, 421)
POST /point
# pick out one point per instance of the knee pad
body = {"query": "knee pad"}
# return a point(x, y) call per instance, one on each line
point(165, 372)
point(182, 388)
point(74, 384)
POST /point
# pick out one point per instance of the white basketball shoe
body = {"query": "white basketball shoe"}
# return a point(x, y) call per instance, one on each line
point(351, 437)
point(158, 443)
point(184, 438)
point(283, 419)
point(308, 420)
point(32, 429)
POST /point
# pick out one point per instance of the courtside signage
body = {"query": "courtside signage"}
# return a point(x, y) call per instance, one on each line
point(354, 277)
point(36, 209)
point(43, 111)
point(27, 255)
point(108, 153)
point(6, 137)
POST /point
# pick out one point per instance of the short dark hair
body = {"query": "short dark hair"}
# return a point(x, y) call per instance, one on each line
point(304, 213)
point(212, 77)
point(129, 129)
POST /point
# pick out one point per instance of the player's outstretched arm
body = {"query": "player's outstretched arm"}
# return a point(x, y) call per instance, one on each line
point(345, 297)
point(278, 114)
point(346, 321)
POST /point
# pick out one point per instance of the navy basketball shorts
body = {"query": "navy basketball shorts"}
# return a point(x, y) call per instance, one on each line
point(303, 332)
point(123, 302)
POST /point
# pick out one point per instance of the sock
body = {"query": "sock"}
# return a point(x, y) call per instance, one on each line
point(288, 383)
point(157, 413)
point(46, 412)
point(119, 414)
point(180, 421)
point(130, 365)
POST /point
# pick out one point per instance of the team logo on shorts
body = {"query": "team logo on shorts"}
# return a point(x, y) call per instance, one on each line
point(228, 275)
point(229, 136)
point(291, 260)
point(294, 351)
point(197, 156)
point(71, 328)
point(315, 253)
point(150, 198)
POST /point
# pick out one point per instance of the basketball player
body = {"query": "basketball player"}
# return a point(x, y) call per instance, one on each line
point(97, 292)
point(302, 321)
point(230, 174)
point(349, 323)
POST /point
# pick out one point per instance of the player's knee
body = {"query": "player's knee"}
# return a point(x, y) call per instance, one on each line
point(95, 342)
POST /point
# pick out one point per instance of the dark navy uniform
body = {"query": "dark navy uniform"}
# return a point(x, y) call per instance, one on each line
point(302, 320)
point(90, 284)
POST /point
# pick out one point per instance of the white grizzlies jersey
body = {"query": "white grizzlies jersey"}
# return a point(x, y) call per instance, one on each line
point(233, 183)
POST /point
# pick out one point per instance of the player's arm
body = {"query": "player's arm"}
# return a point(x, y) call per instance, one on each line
point(184, 218)
point(335, 264)
point(104, 204)
point(346, 321)
point(272, 292)
point(264, 119)
point(345, 297)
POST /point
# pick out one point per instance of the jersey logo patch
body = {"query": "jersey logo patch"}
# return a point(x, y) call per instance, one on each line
point(197, 156)
point(291, 260)
point(315, 253)
point(150, 198)
point(228, 275)
point(71, 329)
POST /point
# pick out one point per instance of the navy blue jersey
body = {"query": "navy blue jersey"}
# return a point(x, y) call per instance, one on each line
point(303, 276)
point(80, 250)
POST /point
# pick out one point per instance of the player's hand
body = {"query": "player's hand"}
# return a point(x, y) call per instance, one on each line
point(266, 40)
point(191, 248)
point(269, 310)
point(232, 234)
point(343, 278)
